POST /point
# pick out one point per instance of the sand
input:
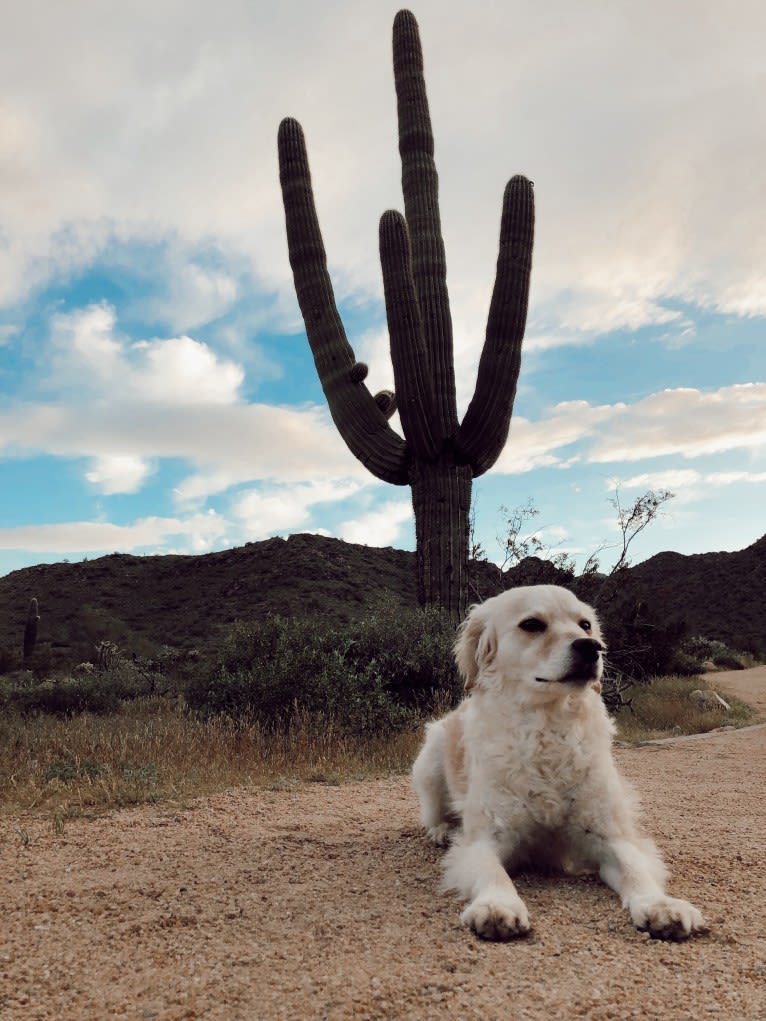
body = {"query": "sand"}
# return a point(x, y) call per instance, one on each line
point(322, 902)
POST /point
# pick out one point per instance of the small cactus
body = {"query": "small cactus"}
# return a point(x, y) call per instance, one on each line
point(30, 629)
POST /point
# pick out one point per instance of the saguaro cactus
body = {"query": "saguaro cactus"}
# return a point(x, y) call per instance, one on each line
point(438, 456)
point(30, 629)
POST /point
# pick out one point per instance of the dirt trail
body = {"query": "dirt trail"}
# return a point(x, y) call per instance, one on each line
point(321, 902)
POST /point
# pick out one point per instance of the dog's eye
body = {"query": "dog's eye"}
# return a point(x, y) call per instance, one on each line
point(533, 624)
point(585, 625)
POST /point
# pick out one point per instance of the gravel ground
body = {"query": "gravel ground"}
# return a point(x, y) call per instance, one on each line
point(321, 902)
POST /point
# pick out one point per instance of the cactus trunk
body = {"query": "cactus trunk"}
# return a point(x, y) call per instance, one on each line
point(30, 629)
point(441, 500)
point(438, 456)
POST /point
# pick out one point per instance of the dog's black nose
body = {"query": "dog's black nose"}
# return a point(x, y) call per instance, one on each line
point(587, 649)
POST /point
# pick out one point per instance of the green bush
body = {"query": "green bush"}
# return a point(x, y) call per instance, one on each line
point(373, 675)
point(410, 649)
point(685, 665)
point(65, 697)
point(728, 661)
point(10, 659)
point(711, 650)
point(99, 692)
point(640, 644)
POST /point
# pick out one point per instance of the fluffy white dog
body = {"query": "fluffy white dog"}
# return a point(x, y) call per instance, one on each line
point(522, 771)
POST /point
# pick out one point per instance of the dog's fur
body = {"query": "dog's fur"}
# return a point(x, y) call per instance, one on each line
point(522, 771)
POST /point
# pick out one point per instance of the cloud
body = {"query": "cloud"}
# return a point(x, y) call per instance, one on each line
point(617, 117)
point(227, 445)
point(731, 478)
point(196, 294)
point(687, 485)
point(541, 444)
point(381, 527)
point(123, 473)
point(674, 479)
point(277, 510)
point(89, 355)
point(84, 346)
point(684, 422)
point(198, 532)
point(184, 371)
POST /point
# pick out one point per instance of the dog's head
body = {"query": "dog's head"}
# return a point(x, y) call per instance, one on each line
point(538, 636)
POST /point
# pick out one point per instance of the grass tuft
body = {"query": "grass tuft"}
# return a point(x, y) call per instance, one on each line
point(150, 751)
point(662, 708)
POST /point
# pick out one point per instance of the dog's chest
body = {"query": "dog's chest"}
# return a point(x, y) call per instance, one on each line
point(537, 778)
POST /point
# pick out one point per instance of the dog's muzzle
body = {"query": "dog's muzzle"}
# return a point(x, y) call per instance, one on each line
point(584, 663)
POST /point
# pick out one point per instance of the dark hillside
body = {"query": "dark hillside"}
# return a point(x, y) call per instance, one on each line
point(719, 595)
point(186, 601)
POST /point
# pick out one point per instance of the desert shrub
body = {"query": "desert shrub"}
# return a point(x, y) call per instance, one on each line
point(64, 697)
point(711, 650)
point(10, 659)
point(728, 661)
point(411, 651)
point(371, 675)
point(640, 645)
point(685, 665)
point(100, 691)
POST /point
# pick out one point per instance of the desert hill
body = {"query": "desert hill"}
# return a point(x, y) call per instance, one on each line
point(187, 601)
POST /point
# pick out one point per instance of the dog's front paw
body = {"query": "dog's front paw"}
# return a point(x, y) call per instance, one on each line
point(667, 918)
point(497, 915)
point(440, 835)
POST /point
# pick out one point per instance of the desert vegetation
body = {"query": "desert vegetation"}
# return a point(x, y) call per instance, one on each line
point(282, 700)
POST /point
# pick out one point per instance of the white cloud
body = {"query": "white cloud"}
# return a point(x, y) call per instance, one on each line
point(199, 531)
point(123, 473)
point(674, 479)
point(85, 345)
point(184, 371)
point(381, 527)
point(684, 421)
point(688, 486)
point(88, 355)
point(276, 510)
point(195, 294)
point(731, 478)
point(228, 445)
point(616, 114)
point(538, 444)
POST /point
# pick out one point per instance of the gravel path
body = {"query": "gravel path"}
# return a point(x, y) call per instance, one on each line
point(321, 902)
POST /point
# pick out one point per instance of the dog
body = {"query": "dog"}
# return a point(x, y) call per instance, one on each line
point(522, 773)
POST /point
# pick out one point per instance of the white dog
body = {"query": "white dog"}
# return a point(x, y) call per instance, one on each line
point(523, 769)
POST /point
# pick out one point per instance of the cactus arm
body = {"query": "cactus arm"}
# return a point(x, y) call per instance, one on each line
point(358, 418)
point(484, 429)
point(414, 390)
point(420, 185)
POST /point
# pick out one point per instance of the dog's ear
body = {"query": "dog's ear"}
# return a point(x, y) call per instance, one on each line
point(475, 647)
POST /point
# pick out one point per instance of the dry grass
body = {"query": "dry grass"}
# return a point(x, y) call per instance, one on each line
point(151, 751)
point(663, 709)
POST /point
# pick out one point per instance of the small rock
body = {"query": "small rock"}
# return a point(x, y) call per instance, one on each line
point(709, 700)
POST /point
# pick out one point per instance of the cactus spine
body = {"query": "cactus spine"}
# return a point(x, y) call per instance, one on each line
point(439, 456)
point(30, 629)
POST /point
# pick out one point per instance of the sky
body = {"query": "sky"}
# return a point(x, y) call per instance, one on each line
point(157, 392)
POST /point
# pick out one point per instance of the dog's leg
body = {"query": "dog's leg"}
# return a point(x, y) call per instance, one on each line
point(636, 872)
point(430, 783)
point(474, 868)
